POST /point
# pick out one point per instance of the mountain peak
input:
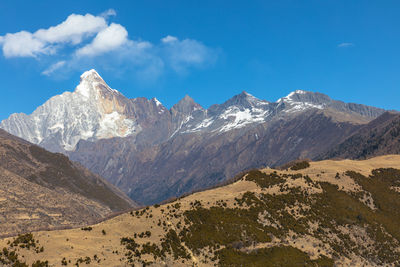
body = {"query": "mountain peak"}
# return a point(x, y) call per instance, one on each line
point(91, 83)
point(245, 100)
point(292, 94)
point(90, 74)
point(244, 94)
point(187, 98)
point(186, 105)
point(297, 92)
point(306, 96)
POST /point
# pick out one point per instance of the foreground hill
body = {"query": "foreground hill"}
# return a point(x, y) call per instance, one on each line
point(42, 190)
point(379, 137)
point(329, 213)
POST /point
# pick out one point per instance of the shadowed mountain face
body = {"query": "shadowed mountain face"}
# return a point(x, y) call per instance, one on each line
point(153, 153)
point(379, 137)
point(40, 189)
point(195, 161)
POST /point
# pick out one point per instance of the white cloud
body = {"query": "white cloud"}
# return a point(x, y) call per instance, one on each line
point(168, 39)
point(186, 53)
point(23, 44)
point(108, 39)
point(87, 41)
point(108, 13)
point(54, 67)
point(72, 30)
point(345, 45)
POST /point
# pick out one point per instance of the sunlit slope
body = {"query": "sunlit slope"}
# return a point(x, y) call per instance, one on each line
point(331, 212)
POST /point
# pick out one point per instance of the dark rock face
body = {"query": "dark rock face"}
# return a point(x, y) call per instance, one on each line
point(194, 161)
point(379, 137)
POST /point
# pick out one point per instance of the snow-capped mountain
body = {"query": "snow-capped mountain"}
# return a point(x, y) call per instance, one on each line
point(93, 111)
point(153, 153)
point(244, 109)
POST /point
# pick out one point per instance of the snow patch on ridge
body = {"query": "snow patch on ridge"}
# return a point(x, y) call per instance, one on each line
point(242, 117)
point(115, 125)
point(204, 124)
point(289, 96)
point(301, 106)
point(297, 106)
point(158, 103)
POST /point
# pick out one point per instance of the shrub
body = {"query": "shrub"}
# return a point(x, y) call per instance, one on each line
point(300, 165)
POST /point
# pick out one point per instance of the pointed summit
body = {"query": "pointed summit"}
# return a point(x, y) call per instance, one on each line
point(90, 74)
point(244, 100)
point(187, 99)
point(245, 94)
point(91, 83)
point(186, 105)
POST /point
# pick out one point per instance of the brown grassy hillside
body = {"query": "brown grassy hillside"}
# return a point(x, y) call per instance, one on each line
point(42, 190)
point(329, 213)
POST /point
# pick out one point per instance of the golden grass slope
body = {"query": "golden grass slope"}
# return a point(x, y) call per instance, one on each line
point(329, 213)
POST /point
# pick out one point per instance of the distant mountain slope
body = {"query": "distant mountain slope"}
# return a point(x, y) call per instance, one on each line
point(40, 189)
point(328, 214)
point(379, 137)
point(153, 153)
point(195, 161)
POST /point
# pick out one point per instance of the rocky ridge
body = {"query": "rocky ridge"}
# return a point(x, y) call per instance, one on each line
point(153, 153)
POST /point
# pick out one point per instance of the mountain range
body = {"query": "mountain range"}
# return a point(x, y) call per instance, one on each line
point(153, 153)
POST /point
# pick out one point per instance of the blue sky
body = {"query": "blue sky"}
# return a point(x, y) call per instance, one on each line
point(210, 50)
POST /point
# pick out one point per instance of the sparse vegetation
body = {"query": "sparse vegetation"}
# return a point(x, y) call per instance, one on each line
point(39, 263)
point(274, 256)
point(263, 179)
point(236, 231)
point(300, 165)
point(24, 241)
